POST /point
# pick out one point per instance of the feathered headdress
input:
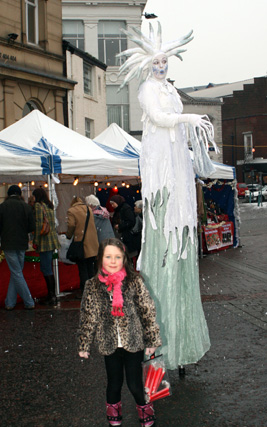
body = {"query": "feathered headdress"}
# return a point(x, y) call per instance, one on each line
point(140, 58)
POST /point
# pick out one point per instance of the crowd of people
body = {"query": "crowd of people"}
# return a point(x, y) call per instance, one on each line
point(18, 219)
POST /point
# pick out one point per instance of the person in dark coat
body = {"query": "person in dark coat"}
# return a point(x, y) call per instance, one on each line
point(123, 221)
point(137, 229)
point(16, 221)
point(102, 218)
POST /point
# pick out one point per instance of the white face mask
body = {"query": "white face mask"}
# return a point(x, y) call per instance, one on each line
point(160, 66)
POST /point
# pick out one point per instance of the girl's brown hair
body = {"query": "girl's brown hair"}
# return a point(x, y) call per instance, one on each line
point(127, 264)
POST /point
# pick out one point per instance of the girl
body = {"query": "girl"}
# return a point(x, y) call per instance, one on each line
point(119, 314)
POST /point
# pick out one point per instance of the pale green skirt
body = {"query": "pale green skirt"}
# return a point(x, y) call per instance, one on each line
point(174, 286)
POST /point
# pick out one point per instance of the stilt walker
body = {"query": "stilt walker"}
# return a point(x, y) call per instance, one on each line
point(169, 255)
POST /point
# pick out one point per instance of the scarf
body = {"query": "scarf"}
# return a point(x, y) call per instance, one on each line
point(114, 283)
point(103, 212)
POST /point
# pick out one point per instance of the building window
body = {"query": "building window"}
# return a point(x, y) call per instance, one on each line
point(118, 106)
point(87, 79)
point(248, 146)
point(88, 128)
point(30, 106)
point(73, 32)
point(32, 21)
point(111, 41)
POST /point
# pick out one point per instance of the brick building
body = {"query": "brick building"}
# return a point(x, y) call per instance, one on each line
point(244, 126)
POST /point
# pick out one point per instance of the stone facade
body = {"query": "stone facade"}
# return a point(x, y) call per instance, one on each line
point(86, 109)
point(31, 60)
point(129, 12)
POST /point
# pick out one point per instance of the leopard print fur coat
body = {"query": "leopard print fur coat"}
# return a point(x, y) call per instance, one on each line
point(137, 328)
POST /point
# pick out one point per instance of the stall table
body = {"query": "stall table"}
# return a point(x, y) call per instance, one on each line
point(68, 277)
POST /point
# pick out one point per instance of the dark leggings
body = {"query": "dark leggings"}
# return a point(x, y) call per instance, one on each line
point(115, 364)
point(86, 270)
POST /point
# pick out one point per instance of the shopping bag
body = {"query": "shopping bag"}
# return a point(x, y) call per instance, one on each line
point(156, 379)
point(64, 246)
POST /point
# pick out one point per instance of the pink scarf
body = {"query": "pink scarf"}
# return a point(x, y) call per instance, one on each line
point(114, 283)
point(101, 212)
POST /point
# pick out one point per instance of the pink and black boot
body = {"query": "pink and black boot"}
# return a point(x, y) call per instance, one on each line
point(146, 415)
point(114, 413)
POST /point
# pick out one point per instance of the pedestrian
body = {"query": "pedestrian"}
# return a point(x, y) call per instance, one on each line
point(76, 222)
point(45, 244)
point(137, 229)
point(123, 221)
point(31, 201)
point(169, 258)
point(16, 221)
point(118, 314)
point(101, 217)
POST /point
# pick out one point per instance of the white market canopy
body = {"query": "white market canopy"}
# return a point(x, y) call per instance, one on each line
point(223, 171)
point(118, 142)
point(37, 145)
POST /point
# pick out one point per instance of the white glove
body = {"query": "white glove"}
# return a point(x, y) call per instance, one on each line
point(196, 120)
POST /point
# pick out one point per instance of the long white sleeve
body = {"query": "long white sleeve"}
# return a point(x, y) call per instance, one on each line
point(151, 98)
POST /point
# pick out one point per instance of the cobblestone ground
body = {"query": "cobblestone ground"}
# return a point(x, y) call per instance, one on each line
point(45, 384)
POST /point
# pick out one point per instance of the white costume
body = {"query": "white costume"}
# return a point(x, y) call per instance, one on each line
point(165, 160)
point(169, 256)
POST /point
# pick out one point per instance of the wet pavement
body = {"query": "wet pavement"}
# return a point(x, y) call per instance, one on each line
point(44, 383)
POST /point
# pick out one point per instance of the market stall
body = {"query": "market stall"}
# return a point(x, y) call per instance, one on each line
point(68, 275)
point(37, 148)
point(220, 229)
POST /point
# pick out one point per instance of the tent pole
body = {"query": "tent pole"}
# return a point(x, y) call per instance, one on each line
point(28, 190)
point(49, 186)
point(55, 269)
point(55, 261)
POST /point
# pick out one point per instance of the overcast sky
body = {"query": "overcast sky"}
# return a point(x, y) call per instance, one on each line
point(230, 39)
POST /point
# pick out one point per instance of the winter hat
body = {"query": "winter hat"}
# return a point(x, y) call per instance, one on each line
point(14, 190)
point(117, 199)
